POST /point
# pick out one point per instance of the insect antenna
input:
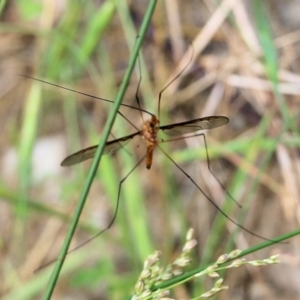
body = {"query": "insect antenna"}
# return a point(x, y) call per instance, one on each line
point(85, 94)
point(94, 97)
point(178, 75)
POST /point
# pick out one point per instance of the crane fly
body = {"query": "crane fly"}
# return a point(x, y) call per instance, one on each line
point(149, 134)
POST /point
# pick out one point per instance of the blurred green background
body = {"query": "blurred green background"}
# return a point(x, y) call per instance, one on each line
point(245, 66)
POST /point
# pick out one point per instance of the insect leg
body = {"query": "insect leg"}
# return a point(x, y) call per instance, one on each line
point(213, 202)
point(108, 226)
point(209, 169)
point(208, 163)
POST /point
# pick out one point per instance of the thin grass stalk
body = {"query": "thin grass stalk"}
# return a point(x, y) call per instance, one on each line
point(168, 284)
point(99, 152)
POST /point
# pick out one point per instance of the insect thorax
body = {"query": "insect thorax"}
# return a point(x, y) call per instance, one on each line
point(150, 129)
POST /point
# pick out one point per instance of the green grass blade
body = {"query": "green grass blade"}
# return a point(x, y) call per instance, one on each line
point(189, 275)
point(99, 152)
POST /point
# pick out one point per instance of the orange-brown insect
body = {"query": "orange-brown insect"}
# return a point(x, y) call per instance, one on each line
point(149, 133)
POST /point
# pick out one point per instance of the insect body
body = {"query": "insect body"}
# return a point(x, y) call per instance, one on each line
point(149, 134)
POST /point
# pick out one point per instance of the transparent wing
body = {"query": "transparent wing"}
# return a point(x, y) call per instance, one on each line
point(194, 125)
point(87, 153)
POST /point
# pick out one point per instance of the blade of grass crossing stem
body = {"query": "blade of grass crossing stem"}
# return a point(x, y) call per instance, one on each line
point(99, 152)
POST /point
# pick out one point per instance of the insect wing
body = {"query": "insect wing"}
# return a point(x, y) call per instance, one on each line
point(79, 156)
point(87, 153)
point(194, 125)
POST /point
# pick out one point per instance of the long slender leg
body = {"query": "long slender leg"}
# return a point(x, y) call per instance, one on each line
point(208, 163)
point(213, 203)
point(209, 169)
point(109, 224)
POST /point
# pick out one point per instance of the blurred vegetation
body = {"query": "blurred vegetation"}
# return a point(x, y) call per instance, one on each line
point(245, 66)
